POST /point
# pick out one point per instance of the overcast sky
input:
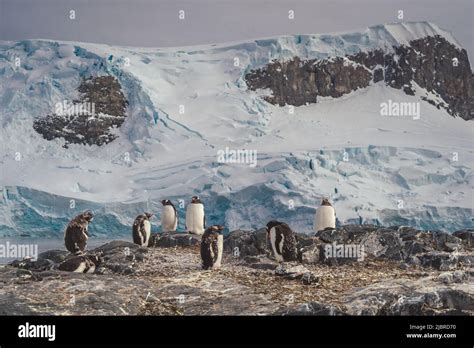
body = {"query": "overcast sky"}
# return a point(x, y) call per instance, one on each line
point(156, 22)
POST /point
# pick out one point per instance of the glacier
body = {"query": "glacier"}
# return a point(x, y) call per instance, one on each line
point(187, 103)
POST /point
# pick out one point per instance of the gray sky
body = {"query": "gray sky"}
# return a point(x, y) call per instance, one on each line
point(156, 23)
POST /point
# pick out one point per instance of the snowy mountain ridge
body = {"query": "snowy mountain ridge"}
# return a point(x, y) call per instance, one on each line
point(186, 104)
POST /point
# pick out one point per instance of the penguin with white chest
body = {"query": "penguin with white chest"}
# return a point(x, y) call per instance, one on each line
point(169, 217)
point(142, 229)
point(212, 246)
point(283, 241)
point(81, 264)
point(76, 234)
point(195, 217)
point(325, 216)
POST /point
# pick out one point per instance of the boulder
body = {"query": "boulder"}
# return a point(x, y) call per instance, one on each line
point(446, 242)
point(465, 235)
point(246, 243)
point(312, 308)
point(174, 239)
point(310, 254)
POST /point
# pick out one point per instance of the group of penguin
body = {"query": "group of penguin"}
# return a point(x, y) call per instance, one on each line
point(281, 237)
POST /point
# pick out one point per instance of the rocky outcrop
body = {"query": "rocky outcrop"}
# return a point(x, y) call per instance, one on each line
point(433, 63)
point(91, 118)
point(404, 272)
point(298, 82)
point(424, 296)
point(406, 245)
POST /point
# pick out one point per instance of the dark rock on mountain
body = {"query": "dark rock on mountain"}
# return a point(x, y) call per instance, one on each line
point(298, 82)
point(90, 119)
point(428, 62)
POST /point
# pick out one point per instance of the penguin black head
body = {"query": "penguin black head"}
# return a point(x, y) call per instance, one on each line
point(148, 215)
point(88, 215)
point(166, 202)
point(272, 224)
point(195, 199)
point(326, 201)
point(215, 228)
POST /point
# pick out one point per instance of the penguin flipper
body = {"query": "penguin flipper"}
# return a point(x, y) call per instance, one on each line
point(215, 249)
point(204, 222)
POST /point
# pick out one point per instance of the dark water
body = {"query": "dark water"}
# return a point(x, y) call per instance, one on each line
point(45, 244)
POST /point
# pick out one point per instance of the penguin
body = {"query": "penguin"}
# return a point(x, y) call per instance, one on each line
point(142, 229)
point(212, 246)
point(169, 217)
point(195, 218)
point(282, 240)
point(325, 216)
point(76, 234)
point(81, 264)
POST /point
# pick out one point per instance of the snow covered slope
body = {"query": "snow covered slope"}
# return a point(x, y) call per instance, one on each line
point(187, 104)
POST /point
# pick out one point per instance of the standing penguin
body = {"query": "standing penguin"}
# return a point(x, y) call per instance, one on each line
point(325, 216)
point(76, 234)
point(169, 217)
point(195, 218)
point(282, 240)
point(212, 245)
point(142, 229)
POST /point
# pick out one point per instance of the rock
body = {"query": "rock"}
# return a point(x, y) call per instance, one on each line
point(252, 284)
point(425, 296)
point(312, 308)
point(439, 260)
point(309, 278)
point(105, 93)
point(399, 245)
point(330, 235)
point(29, 264)
point(291, 271)
point(298, 82)
point(56, 256)
point(465, 235)
point(309, 254)
point(260, 239)
point(175, 239)
point(303, 240)
point(114, 246)
point(245, 243)
point(339, 254)
point(453, 277)
point(446, 242)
